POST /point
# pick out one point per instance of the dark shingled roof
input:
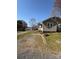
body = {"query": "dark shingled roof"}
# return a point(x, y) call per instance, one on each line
point(53, 19)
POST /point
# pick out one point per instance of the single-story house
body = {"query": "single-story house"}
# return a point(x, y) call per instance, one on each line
point(52, 24)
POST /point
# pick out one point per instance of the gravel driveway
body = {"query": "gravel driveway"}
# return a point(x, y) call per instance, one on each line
point(31, 47)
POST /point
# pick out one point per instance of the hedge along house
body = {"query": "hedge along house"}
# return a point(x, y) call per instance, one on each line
point(52, 24)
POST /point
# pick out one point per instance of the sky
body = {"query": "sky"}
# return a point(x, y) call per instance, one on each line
point(38, 9)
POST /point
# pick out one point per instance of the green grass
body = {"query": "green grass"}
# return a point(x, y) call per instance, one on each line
point(52, 41)
point(24, 34)
point(53, 36)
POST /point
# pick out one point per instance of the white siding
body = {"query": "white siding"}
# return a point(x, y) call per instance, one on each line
point(40, 28)
point(44, 28)
point(54, 28)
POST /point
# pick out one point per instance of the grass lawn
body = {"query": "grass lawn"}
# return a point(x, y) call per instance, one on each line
point(24, 34)
point(52, 42)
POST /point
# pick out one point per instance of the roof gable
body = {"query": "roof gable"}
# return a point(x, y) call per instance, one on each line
point(53, 19)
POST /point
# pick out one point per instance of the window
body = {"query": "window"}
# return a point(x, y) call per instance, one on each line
point(49, 25)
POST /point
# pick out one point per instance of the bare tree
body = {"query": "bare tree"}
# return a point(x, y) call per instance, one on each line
point(33, 23)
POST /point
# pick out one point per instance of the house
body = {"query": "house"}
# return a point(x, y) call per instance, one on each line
point(52, 24)
point(21, 25)
point(32, 28)
point(35, 27)
point(29, 28)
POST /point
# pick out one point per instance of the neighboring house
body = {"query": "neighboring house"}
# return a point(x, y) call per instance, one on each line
point(35, 27)
point(29, 28)
point(32, 28)
point(21, 25)
point(50, 25)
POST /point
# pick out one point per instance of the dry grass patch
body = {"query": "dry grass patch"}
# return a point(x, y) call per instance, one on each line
point(52, 44)
point(24, 34)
